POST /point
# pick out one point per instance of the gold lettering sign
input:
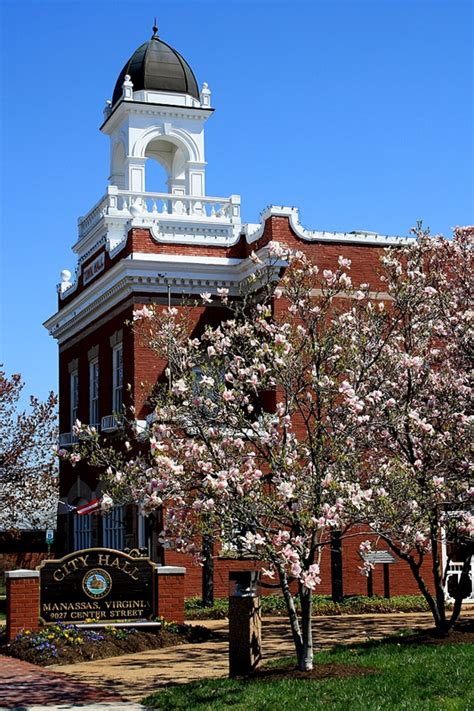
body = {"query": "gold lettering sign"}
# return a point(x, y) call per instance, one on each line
point(97, 583)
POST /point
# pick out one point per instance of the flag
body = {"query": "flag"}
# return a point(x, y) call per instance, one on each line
point(92, 506)
point(67, 507)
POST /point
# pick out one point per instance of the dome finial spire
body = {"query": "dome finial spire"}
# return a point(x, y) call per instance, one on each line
point(155, 29)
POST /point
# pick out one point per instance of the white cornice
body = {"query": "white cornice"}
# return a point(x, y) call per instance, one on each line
point(152, 274)
point(254, 232)
point(144, 108)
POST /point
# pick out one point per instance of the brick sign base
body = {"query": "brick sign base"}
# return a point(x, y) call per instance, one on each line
point(22, 601)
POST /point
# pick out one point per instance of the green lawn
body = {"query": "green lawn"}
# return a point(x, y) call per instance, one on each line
point(409, 678)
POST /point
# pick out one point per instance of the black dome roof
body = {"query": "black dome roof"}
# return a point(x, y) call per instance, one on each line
point(158, 67)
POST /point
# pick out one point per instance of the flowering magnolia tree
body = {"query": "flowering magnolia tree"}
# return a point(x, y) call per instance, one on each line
point(28, 485)
point(314, 405)
point(416, 490)
point(251, 445)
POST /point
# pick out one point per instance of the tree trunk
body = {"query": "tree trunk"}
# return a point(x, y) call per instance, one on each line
point(415, 569)
point(305, 659)
point(439, 619)
point(292, 615)
point(302, 636)
point(438, 579)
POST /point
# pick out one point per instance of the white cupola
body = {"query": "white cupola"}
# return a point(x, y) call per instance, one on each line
point(157, 113)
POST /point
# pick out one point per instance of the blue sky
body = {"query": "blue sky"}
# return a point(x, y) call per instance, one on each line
point(358, 112)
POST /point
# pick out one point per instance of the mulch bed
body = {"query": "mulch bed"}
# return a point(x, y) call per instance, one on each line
point(462, 634)
point(108, 647)
point(320, 671)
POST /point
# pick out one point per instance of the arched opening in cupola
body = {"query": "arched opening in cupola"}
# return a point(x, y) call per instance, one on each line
point(117, 176)
point(165, 166)
point(156, 177)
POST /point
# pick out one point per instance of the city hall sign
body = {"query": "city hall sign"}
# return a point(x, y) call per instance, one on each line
point(97, 583)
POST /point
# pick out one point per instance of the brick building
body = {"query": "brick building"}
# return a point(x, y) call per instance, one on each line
point(137, 247)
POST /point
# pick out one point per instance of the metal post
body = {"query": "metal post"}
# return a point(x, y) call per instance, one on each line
point(386, 581)
point(370, 584)
point(336, 567)
point(207, 572)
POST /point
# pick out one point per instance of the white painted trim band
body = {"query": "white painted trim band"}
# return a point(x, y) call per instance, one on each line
point(18, 574)
point(170, 570)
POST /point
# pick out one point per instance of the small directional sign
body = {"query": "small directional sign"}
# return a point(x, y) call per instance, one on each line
point(380, 557)
point(49, 536)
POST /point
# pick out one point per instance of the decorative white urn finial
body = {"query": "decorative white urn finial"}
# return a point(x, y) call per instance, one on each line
point(205, 95)
point(136, 208)
point(107, 109)
point(127, 88)
point(65, 281)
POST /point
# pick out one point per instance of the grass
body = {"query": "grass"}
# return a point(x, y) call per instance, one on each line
point(322, 605)
point(409, 678)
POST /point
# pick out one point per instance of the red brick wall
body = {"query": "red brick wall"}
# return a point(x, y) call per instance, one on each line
point(96, 336)
point(170, 596)
point(22, 605)
point(148, 368)
point(140, 240)
point(222, 567)
point(141, 367)
point(402, 581)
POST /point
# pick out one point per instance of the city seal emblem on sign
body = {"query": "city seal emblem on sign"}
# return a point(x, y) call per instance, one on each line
point(97, 583)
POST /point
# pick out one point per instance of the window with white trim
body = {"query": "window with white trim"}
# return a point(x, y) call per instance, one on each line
point(113, 529)
point(117, 378)
point(94, 392)
point(82, 529)
point(74, 395)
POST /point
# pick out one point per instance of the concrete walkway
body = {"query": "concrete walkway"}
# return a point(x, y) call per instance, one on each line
point(134, 676)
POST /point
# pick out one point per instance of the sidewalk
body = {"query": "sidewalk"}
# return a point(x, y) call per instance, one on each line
point(137, 675)
point(26, 684)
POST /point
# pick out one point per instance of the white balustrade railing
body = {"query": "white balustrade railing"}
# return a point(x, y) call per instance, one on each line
point(179, 205)
point(142, 204)
point(67, 439)
point(87, 222)
point(111, 423)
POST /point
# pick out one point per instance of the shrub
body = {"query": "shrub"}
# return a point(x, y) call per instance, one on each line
point(322, 605)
